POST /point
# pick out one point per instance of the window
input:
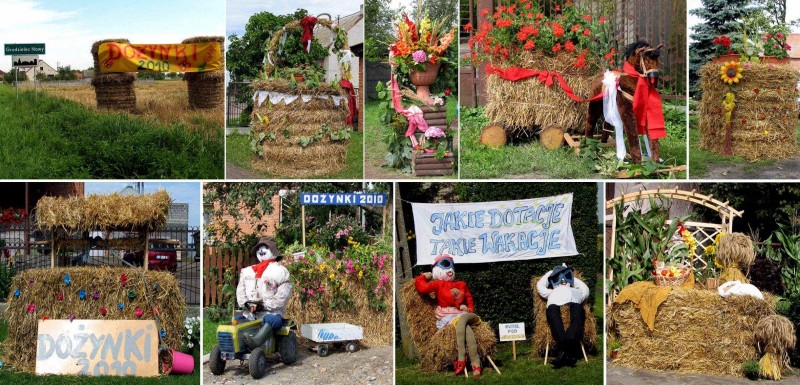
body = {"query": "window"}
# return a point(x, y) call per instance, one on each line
point(41, 68)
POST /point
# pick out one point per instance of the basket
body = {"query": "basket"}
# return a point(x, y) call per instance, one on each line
point(661, 280)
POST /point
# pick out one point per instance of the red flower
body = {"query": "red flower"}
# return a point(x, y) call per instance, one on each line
point(576, 28)
point(587, 17)
point(587, 32)
point(528, 6)
point(522, 35)
point(468, 27)
point(569, 47)
point(581, 62)
point(447, 92)
point(484, 12)
point(558, 8)
point(602, 20)
point(503, 23)
point(530, 45)
point(558, 30)
point(557, 47)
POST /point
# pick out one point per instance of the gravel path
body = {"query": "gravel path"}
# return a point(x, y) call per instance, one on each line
point(371, 366)
point(625, 376)
point(781, 169)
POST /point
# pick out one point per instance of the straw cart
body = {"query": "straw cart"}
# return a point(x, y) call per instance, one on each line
point(528, 107)
point(67, 217)
point(764, 119)
point(299, 126)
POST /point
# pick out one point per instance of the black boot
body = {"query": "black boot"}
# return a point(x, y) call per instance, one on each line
point(259, 338)
point(561, 359)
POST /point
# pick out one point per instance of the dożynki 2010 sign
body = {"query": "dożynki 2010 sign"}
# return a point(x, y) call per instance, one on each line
point(343, 199)
point(24, 49)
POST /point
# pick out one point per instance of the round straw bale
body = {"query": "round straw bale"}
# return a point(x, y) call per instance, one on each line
point(41, 287)
point(206, 89)
point(764, 119)
point(96, 49)
point(736, 250)
point(115, 91)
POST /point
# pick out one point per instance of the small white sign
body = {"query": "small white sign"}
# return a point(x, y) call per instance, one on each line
point(512, 332)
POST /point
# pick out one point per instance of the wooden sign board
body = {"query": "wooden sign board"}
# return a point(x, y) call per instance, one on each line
point(97, 348)
point(512, 332)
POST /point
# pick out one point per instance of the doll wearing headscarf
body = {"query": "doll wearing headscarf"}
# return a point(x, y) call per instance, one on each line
point(455, 308)
point(560, 287)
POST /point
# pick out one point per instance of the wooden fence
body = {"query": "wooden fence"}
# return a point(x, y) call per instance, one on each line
point(215, 261)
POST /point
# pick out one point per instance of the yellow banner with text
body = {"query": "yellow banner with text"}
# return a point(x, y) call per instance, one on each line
point(194, 57)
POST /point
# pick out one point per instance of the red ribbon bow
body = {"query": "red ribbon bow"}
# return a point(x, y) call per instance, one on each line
point(351, 101)
point(515, 74)
point(308, 23)
point(646, 106)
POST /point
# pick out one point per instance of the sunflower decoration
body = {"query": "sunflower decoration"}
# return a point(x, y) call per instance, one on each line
point(731, 72)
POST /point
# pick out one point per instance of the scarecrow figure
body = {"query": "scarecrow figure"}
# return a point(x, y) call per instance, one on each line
point(560, 287)
point(455, 308)
point(263, 291)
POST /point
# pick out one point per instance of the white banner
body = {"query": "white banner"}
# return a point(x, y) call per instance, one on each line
point(495, 231)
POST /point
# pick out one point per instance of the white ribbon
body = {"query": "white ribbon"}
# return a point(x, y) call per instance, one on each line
point(347, 56)
point(306, 98)
point(276, 97)
point(611, 111)
point(283, 41)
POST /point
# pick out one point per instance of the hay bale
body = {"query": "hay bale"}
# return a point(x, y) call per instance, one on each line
point(696, 331)
point(525, 106)
point(206, 89)
point(42, 286)
point(437, 347)
point(543, 337)
point(115, 91)
point(765, 117)
point(96, 48)
point(104, 212)
point(284, 156)
point(378, 326)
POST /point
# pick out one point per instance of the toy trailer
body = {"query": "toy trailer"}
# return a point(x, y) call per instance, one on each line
point(328, 334)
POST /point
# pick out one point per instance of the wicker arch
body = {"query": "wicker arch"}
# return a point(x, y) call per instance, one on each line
point(705, 233)
point(275, 42)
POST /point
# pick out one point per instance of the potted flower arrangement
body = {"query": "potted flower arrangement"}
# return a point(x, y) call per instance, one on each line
point(775, 47)
point(419, 51)
point(613, 347)
point(435, 141)
point(723, 51)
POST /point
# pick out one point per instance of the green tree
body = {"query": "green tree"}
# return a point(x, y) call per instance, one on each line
point(775, 10)
point(9, 76)
point(151, 75)
point(720, 17)
point(246, 54)
point(377, 29)
point(65, 73)
point(41, 76)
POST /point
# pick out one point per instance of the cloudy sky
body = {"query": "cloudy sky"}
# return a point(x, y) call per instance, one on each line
point(180, 192)
point(68, 28)
point(792, 13)
point(239, 11)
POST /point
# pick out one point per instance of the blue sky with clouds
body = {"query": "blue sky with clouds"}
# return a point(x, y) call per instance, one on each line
point(180, 192)
point(239, 11)
point(68, 28)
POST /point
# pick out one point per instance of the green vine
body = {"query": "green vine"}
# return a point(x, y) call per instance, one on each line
point(324, 131)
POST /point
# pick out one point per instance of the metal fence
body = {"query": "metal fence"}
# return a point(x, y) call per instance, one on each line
point(238, 94)
point(32, 249)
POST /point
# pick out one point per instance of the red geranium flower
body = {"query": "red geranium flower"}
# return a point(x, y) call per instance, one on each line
point(558, 30)
point(557, 47)
point(468, 27)
point(530, 45)
point(569, 47)
point(587, 32)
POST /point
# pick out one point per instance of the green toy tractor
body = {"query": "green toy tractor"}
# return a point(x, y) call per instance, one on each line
point(232, 345)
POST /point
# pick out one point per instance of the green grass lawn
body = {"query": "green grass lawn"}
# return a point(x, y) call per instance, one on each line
point(10, 376)
point(240, 155)
point(532, 160)
point(209, 334)
point(53, 138)
point(700, 160)
point(376, 146)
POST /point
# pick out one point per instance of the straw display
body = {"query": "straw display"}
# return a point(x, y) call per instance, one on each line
point(543, 337)
point(206, 89)
point(41, 287)
point(104, 212)
point(695, 331)
point(764, 119)
point(775, 336)
point(437, 347)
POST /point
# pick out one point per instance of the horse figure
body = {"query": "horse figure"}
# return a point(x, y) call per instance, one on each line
point(639, 75)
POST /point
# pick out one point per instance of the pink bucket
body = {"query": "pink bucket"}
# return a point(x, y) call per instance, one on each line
point(182, 363)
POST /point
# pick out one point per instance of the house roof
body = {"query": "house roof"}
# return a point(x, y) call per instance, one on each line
point(325, 35)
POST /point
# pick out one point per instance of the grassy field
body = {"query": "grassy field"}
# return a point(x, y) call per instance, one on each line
point(10, 376)
point(240, 155)
point(533, 161)
point(209, 335)
point(54, 138)
point(376, 147)
point(527, 369)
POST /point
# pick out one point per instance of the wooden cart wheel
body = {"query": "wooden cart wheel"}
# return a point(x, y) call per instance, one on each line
point(552, 137)
point(494, 136)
